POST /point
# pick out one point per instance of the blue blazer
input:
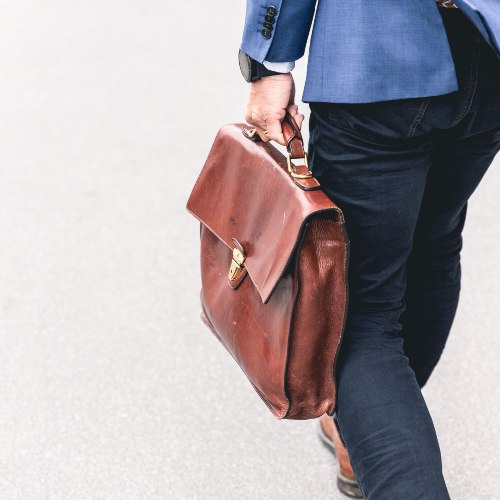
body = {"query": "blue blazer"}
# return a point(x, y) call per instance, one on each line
point(365, 50)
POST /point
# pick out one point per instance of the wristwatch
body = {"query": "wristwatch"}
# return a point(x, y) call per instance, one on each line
point(253, 70)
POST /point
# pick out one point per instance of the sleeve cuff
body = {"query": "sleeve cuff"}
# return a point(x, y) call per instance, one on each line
point(279, 67)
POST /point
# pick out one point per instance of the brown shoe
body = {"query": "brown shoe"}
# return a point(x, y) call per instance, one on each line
point(346, 481)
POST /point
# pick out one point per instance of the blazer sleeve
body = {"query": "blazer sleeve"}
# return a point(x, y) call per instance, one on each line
point(286, 39)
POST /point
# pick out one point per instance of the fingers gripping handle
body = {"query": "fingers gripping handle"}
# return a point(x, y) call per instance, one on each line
point(291, 132)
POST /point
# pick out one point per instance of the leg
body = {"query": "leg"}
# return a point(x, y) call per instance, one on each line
point(381, 413)
point(433, 270)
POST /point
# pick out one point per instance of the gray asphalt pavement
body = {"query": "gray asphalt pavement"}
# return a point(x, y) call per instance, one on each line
point(111, 387)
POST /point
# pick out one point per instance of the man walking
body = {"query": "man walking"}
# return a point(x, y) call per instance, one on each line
point(405, 120)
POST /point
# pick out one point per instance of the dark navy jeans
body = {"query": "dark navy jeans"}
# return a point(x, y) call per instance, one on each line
point(402, 172)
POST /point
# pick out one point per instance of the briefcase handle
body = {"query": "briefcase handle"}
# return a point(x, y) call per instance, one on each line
point(294, 145)
point(293, 138)
point(291, 132)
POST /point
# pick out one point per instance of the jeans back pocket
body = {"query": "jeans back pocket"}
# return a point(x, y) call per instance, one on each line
point(381, 120)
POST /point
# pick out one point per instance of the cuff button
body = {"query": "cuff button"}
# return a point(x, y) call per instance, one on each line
point(266, 33)
point(271, 10)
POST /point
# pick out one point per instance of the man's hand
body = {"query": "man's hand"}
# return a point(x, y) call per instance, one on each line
point(270, 98)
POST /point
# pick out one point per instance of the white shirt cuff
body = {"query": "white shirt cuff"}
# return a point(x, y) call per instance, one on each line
point(279, 67)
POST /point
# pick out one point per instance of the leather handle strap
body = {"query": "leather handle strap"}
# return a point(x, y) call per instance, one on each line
point(293, 137)
point(301, 174)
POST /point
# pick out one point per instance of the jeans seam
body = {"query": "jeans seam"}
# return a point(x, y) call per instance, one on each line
point(418, 118)
point(471, 89)
point(353, 465)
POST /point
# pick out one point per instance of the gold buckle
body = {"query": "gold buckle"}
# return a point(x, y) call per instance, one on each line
point(291, 168)
point(236, 265)
point(251, 132)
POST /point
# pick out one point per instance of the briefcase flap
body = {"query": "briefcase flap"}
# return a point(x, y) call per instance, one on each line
point(246, 192)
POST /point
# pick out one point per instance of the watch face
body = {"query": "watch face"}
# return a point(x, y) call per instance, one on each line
point(245, 66)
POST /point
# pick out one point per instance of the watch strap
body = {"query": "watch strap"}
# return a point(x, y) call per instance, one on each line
point(259, 70)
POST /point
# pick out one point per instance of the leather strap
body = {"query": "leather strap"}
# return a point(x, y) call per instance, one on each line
point(293, 137)
point(295, 148)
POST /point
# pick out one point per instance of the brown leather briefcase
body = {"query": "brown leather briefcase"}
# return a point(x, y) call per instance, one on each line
point(274, 253)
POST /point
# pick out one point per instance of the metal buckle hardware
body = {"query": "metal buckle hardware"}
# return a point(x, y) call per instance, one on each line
point(236, 265)
point(251, 132)
point(291, 168)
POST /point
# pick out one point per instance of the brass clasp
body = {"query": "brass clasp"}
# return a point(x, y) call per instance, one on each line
point(250, 133)
point(291, 168)
point(236, 265)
